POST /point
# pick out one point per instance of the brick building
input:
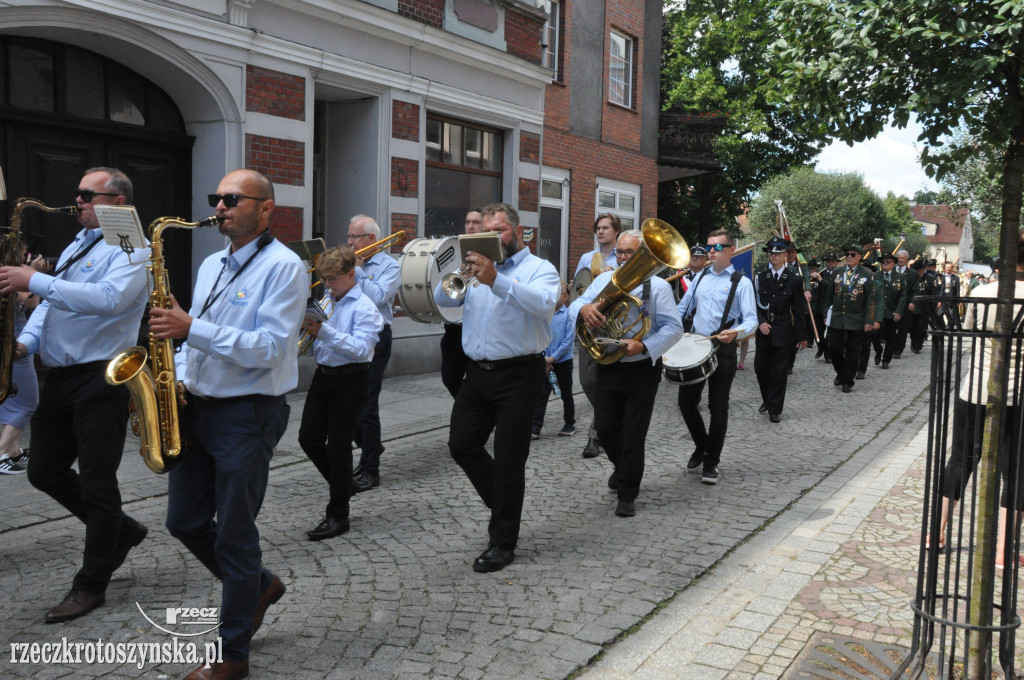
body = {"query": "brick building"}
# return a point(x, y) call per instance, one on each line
point(943, 226)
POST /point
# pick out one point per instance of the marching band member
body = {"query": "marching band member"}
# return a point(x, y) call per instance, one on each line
point(721, 298)
point(627, 388)
point(506, 326)
point(343, 350)
point(453, 359)
point(90, 311)
point(237, 364)
point(379, 278)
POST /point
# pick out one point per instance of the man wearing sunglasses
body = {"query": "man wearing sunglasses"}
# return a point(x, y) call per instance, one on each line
point(852, 299)
point(91, 308)
point(379, 278)
point(237, 363)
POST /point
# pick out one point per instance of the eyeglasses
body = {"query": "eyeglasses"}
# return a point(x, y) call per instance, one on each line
point(230, 200)
point(853, 254)
point(353, 237)
point(87, 195)
point(624, 253)
point(719, 247)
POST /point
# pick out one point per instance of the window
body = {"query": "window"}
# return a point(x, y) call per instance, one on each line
point(463, 171)
point(619, 198)
point(554, 217)
point(552, 42)
point(620, 70)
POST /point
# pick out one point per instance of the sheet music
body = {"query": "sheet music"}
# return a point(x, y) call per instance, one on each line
point(121, 226)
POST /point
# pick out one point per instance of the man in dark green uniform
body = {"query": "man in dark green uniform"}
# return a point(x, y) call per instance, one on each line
point(895, 297)
point(911, 277)
point(871, 336)
point(851, 297)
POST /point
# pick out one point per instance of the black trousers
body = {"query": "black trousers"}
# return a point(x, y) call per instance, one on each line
point(329, 419)
point(625, 402)
point(563, 374)
point(968, 433)
point(867, 342)
point(80, 417)
point(770, 366)
point(453, 359)
point(844, 347)
point(918, 330)
point(710, 439)
point(368, 428)
point(500, 400)
point(888, 334)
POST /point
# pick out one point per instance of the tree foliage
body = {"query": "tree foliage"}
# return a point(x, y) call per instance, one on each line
point(715, 56)
point(826, 211)
point(901, 221)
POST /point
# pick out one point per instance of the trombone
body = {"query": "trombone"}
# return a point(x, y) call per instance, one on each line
point(305, 339)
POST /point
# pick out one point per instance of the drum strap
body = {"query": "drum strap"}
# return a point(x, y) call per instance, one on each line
point(735, 278)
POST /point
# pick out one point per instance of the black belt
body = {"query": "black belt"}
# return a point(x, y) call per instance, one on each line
point(76, 369)
point(773, 318)
point(189, 396)
point(505, 363)
point(344, 369)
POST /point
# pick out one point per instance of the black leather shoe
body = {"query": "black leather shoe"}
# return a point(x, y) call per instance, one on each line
point(274, 592)
point(847, 388)
point(861, 375)
point(828, 359)
point(493, 559)
point(897, 355)
point(821, 350)
point(329, 527)
point(916, 351)
point(838, 381)
point(592, 449)
point(613, 482)
point(364, 481)
point(763, 408)
point(775, 418)
point(885, 364)
point(625, 509)
point(129, 538)
point(76, 603)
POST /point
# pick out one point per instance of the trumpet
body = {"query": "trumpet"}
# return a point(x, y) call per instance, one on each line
point(456, 284)
point(305, 342)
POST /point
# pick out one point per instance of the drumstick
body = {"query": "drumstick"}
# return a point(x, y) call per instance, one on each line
point(719, 336)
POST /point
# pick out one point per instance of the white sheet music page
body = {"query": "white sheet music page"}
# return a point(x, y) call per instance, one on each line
point(121, 226)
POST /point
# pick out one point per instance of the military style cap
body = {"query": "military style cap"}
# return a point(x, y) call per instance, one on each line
point(933, 262)
point(698, 251)
point(813, 263)
point(887, 256)
point(917, 265)
point(832, 256)
point(854, 248)
point(777, 245)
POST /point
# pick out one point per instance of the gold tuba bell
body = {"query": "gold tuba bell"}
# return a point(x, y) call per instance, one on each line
point(661, 246)
point(153, 384)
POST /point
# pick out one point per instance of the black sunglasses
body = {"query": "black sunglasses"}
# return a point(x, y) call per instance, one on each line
point(718, 247)
point(86, 195)
point(230, 200)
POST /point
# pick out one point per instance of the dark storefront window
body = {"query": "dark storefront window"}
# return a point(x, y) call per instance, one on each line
point(463, 171)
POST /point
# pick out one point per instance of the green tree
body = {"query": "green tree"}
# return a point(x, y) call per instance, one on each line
point(826, 210)
point(715, 55)
point(974, 183)
point(855, 64)
point(901, 221)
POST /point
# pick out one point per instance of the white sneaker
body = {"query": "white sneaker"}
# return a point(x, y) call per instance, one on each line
point(10, 467)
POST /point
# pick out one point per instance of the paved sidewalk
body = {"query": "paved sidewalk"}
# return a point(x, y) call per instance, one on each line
point(737, 563)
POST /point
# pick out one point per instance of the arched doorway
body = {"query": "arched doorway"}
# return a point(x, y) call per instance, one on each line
point(64, 109)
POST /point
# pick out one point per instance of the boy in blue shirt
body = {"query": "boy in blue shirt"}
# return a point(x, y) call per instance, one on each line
point(558, 361)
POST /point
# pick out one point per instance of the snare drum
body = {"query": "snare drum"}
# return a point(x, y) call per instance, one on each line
point(423, 264)
point(690, 360)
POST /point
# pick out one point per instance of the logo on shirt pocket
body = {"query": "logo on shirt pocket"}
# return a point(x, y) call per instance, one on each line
point(241, 298)
point(87, 267)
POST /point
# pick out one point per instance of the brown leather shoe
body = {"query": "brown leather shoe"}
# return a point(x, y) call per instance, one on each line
point(274, 592)
point(225, 670)
point(76, 603)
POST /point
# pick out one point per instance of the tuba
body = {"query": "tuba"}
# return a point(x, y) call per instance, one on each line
point(661, 246)
point(10, 256)
point(149, 376)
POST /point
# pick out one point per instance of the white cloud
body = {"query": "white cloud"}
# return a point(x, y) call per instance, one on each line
point(888, 162)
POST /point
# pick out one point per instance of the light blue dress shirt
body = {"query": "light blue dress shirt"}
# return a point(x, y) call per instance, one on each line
point(563, 332)
point(246, 342)
point(511, 317)
point(350, 334)
point(712, 293)
point(610, 261)
point(92, 310)
point(666, 327)
point(379, 279)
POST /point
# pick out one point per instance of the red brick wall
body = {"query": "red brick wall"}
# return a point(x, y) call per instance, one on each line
point(620, 125)
point(529, 194)
point(405, 177)
point(282, 160)
point(406, 222)
point(430, 12)
point(522, 36)
point(275, 93)
point(286, 224)
point(405, 121)
point(529, 147)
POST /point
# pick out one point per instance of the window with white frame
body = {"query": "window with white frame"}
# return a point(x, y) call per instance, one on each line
point(554, 217)
point(620, 70)
point(552, 42)
point(620, 198)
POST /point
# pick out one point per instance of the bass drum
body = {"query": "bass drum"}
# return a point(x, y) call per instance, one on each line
point(690, 360)
point(423, 264)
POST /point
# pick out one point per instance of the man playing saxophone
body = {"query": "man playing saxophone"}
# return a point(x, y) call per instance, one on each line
point(237, 363)
point(91, 308)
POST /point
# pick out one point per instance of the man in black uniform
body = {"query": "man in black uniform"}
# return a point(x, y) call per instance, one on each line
point(824, 279)
point(894, 296)
point(905, 324)
point(927, 284)
point(779, 292)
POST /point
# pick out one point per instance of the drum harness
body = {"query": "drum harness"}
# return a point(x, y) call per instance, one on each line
point(688, 317)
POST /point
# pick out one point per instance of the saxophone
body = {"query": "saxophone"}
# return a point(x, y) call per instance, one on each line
point(149, 376)
point(10, 256)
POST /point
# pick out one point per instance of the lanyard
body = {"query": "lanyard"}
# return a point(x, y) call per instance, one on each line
point(77, 256)
point(265, 238)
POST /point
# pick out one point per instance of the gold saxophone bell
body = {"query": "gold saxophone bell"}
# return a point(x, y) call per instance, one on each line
point(661, 246)
point(149, 376)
